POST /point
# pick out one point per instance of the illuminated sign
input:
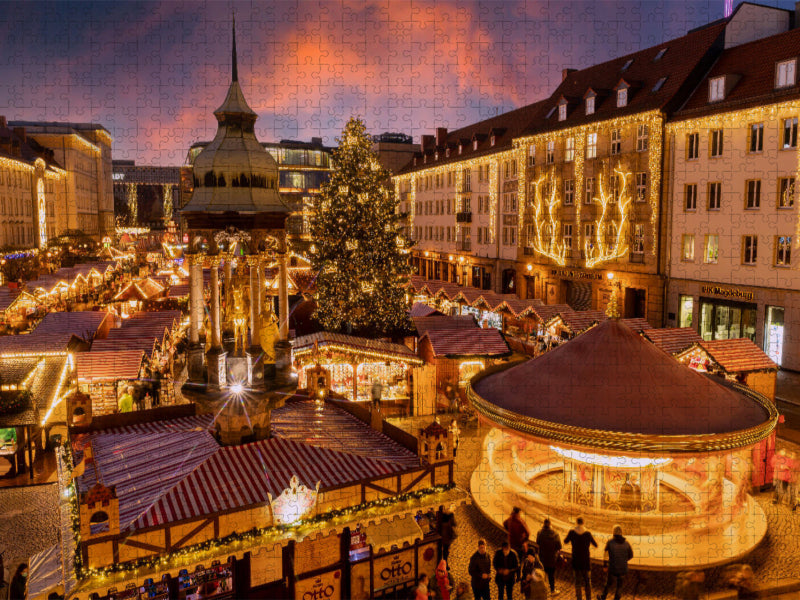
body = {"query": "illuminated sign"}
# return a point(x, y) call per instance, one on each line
point(326, 586)
point(393, 569)
point(118, 176)
point(621, 462)
point(294, 502)
point(727, 292)
point(572, 274)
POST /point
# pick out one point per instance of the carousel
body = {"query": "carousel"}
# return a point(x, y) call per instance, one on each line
point(610, 427)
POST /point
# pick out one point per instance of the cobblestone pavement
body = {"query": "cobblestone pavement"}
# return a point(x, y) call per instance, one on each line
point(28, 522)
point(777, 557)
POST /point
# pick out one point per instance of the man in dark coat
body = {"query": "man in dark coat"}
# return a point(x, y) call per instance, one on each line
point(480, 570)
point(549, 544)
point(506, 564)
point(581, 539)
point(619, 553)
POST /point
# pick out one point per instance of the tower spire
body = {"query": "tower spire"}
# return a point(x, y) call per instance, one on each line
point(234, 69)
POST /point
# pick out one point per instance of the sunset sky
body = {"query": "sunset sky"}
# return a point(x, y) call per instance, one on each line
point(152, 73)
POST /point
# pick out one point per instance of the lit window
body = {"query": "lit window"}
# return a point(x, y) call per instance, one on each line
point(641, 187)
point(687, 247)
point(474, 144)
point(638, 238)
point(790, 133)
point(569, 149)
point(692, 146)
point(569, 191)
point(642, 137)
point(716, 142)
point(756, 137)
point(568, 239)
point(551, 152)
point(492, 140)
point(622, 97)
point(753, 194)
point(786, 192)
point(531, 155)
point(716, 89)
point(562, 112)
point(591, 145)
point(785, 73)
point(711, 249)
point(749, 249)
point(589, 190)
point(714, 195)
point(616, 141)
point(783, 250)
point(590, 105)
point(460, 148)
point(447, 153)
point(690, 194)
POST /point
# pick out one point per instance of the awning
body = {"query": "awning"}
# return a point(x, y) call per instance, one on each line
point(393, 532)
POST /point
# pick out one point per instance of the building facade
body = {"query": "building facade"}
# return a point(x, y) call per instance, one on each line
point(394, 150)
point(84, 152)
point(733, 245)
point(32, 188)
point(145, 195)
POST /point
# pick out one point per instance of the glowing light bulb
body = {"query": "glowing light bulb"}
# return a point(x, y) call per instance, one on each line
point(237, 389)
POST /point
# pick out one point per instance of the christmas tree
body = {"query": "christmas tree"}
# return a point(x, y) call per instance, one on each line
point(359, 248)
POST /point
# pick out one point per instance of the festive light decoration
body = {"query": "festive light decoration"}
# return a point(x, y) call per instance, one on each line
point(620, 462)
point(597, 251)
point(355, 228)
point(58, 397)
point(547, 239)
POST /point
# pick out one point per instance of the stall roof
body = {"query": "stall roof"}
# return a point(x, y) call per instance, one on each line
point(141, 289)
point(393, 532)
point(546, 312)
point(179, 290)
point(82, 324)
point(109, 365)
point(7, 297)
point(466, 342)
point(45, 385)
point(738, 355)
point(518, 306)
point(423, 324)
point(351, 343)
point(420, 309)
point(672, 340)
point(144, 344)
point(577, 321)
point(33, 343)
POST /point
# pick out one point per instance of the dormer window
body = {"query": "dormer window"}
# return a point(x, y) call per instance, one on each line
point(716, 89)
point(447, 153)
point(474, 144)
point(460, 148)
point(436, 155)
point(492, 140)
point(659, 84)
point(785, 73)
point(550, 112)
point(622, 97)
point(627, 65)
point(590, 105)
point(415, 161)
point(660, 54)
point(562, 112)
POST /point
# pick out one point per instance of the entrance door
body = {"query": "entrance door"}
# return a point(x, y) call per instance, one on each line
point(579, 295)
point(773, 333)
point(635, 303)
point(509, 281)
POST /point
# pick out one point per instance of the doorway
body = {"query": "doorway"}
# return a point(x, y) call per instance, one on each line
point(635, 303)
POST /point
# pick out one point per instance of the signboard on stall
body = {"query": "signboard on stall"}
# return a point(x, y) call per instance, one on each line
point(327, 586)
point(395, 569)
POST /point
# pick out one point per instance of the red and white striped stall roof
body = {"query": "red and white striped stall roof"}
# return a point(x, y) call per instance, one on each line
point(108, 366)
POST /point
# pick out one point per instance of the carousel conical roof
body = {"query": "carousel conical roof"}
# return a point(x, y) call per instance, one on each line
point(612, 379)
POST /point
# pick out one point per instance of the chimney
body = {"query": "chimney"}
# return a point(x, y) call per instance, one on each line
point(441, 136)
point(316, 141)
point(20, 133)
point(427, 143)
point(3, 122)
point(566, 73)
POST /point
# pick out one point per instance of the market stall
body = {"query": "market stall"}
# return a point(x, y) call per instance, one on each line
point(104, 376)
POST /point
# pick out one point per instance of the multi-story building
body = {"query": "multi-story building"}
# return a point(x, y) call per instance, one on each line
point(394, 150)
point(32, 190)
point(460, 195)
point(145, 195)
point(84, 151)
point(733, 246)
point(590, 191)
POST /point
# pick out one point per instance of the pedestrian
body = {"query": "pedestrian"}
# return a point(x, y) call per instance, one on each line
point(532, 582)
point(581, 540)
point(126, 401)
point(782, 474)
point(517, 531)
point(506, 565)
point(448, 532)
point(422, 593)
point(463, 592)
point(619, 553)
point(549, 544)
point(377, 390)
point(19, 583)
point(480, 571)
point(444, 582)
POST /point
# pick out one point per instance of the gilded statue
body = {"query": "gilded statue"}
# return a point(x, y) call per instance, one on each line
point(239, 315)
point(207, 329)
point(268, 331)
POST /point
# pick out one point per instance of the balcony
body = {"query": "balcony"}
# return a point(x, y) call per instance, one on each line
point(463, 246)
point(464, 216)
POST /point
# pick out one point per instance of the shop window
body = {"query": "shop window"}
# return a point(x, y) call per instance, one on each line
point(720, 320)
point(773, 333)
point(685, 310)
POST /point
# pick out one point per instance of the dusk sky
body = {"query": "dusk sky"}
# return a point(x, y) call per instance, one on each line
point(152, 73)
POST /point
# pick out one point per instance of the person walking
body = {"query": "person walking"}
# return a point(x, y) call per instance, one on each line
point(448, 532)
point(619, 552)
point(19, 583)
point(422, 592)
point(443, 583)
point(517, 531)
point(376, 392)
point(549, 544)
point(480, 571)
point(506, 566)
point(581, 540)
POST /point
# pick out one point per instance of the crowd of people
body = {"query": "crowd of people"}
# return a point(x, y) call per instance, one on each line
point(529, 561)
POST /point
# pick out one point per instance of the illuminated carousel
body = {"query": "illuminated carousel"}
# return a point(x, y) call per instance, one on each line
point(610, 427)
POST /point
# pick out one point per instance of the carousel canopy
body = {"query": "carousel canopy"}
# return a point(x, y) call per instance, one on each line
point(611, 379)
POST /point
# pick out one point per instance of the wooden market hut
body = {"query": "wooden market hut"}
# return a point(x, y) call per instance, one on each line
point(672, 340)
point(104, 375)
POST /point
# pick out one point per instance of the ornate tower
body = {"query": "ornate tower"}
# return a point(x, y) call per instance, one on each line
point(236, 220)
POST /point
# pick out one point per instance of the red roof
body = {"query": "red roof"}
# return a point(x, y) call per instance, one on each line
point(420, 309)
point(424, 324)
point(546, 312)
point(673, 339)
point(83, 324)
point(466, 342)
point(109, 366)
point(577, 321)
point(738, 355)
point(354, 343)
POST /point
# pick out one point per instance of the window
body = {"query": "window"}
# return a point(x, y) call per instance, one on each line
point(622, 97)
point(642, 135)
point(550, 155)
point(690, 195)
point(569, 191)
point(591, 145)
point(790, 133)
point(467, 184)
point(460, 147)
point(569, 149)
point(756, 137)
point(711, 249)
point(753, 194)
point(480, 235)
point(785, 73)
point(641, 187)
point(613, 184)
point(783, 250)
point(616, 141)
point(531, 155)
point(514, 168)
point(692, 146)
point(749, 249)
point(590, 105)
point(687, 247)
point(638, 238)
point(659, 84)
point(562, 112)
point(716, 142)
point(660, 54)
point(716, 89)
point(714, 195)
point(588, 235)
point(450, 234)
point(474, 144)
point(492, 140)
point(506, 170)
point(786, 192)
point(568, 239)
point(627, 64)
point(589, 190)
